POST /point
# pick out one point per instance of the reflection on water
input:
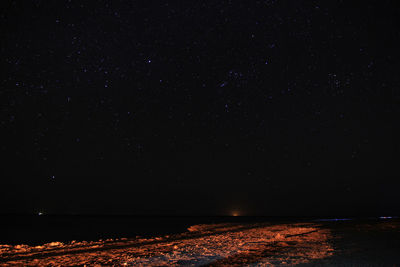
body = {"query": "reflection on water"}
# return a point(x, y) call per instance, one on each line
point(215, 244)
point(333, 220)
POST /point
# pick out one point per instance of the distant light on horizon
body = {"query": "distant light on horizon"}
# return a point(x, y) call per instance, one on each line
point(235, 214)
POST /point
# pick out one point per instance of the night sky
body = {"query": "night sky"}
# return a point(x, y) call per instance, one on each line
point(200, 107)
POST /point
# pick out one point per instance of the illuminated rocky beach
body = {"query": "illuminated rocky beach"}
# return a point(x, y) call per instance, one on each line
point(222, 244)
point(219, 244)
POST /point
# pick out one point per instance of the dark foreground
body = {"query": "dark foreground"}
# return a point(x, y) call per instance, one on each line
point(373, 242)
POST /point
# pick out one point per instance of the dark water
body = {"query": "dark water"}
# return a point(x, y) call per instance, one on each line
point(35, 229)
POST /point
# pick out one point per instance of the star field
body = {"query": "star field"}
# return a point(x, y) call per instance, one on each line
point(198, 108)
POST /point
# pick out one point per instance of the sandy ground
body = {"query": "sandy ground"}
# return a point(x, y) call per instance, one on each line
point(224, 245)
